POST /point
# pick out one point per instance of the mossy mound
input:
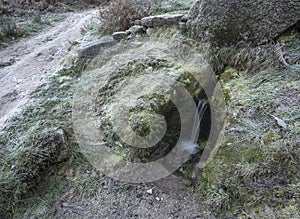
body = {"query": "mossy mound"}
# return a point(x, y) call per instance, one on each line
point(256, 172)
point(126, 101)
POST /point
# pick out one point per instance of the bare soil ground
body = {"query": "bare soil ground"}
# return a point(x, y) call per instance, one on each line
point(23, 65)
point(167, 198)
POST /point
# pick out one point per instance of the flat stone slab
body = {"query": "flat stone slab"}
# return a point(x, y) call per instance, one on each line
point(165, 20)
point(92, 49)
point(121, 35)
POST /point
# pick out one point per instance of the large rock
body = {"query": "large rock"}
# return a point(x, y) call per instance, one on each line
point(226, 22)
point(93, 49)
point(165, 20)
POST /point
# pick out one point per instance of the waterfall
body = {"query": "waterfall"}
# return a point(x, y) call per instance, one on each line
point(202, 106)
point(191, 145)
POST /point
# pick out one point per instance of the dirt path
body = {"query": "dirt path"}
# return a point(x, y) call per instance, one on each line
point(23, 65)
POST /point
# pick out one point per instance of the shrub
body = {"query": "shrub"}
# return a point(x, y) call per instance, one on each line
point(10, 30)
point(120, 14)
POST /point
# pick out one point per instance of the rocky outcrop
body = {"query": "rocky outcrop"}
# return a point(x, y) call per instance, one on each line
point(227, 22)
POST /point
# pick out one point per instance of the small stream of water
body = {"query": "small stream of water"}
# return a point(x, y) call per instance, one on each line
point(191, 145)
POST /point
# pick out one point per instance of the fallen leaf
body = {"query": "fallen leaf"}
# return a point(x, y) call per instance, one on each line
point(280, 122)
point(69, 172)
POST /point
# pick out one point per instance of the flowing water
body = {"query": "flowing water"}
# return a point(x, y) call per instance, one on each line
point(191, 145)
point(202, 106)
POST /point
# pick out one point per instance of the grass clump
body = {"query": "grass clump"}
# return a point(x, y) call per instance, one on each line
point(9, 30)
point(39, 21)
point(12, 28)
point(39, 137)
point(255, 59)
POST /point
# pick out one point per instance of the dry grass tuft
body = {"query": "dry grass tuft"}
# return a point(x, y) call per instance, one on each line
point(120, 14)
